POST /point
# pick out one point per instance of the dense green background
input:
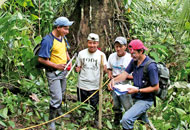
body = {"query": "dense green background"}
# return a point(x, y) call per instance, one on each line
point(164, 26)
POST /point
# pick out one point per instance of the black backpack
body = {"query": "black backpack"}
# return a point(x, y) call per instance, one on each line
point(164, 78)
point(36, 51)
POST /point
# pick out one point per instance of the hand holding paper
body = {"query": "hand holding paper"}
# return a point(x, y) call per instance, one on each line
point(123, 88)
point(110, 85)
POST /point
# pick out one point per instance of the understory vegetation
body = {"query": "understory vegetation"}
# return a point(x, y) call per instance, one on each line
point(163, 25)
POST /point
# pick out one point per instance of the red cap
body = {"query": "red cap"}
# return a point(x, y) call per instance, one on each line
point(136, 45)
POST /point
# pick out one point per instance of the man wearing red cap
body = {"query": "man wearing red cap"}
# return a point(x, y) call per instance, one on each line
point(143, 95)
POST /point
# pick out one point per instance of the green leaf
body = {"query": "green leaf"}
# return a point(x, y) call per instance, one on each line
point(158, 46)
point(29, 3)
point(155, 56)
point(19, 15)
point(188, 64)
point(187, 50)
point(12, 124)
point(129, 2)
point(38, 39)
point(109, 124)
point(3, 124)
point(34, 17)
point(3, 113)
point(46, 117)
point(187, 42)
point(167, 126)
point(187, 25)
point(37, 113)
point(125, 2)
point(180, 111)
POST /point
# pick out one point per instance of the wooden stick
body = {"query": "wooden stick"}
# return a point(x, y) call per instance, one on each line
point(100, 93)
point(152, 126)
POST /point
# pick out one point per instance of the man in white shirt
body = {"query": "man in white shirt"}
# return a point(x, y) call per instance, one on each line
point(117, 63)
point(88, 64)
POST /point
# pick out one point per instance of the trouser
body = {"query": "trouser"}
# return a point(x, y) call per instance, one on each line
point(57, 87)
point(124, 100)
point(83, 95)
point(138, 110)
point(120, 101)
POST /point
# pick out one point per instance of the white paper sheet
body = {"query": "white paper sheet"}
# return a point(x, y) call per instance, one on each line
point(122, 88)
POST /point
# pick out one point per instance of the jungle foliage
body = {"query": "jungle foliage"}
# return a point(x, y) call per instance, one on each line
point(163, 25)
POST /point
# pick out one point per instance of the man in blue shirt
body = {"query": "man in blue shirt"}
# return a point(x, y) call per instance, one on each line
point(143, 95)
point(53, 53)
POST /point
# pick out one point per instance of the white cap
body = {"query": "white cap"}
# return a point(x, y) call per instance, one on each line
point(93, 37)
point(121, 40)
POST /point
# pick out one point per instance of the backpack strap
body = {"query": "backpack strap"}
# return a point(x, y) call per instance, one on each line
point(145, 69)
point(146, 77)
point(68, 46)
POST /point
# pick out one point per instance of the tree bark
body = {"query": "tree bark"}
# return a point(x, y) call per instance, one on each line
point(103, 17)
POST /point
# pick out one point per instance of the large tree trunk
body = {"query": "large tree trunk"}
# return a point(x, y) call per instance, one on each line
point(98, 16)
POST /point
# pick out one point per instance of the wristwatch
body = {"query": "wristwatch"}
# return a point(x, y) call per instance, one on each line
point(139, 90)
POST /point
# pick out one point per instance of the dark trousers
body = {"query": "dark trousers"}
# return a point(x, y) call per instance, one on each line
point(83, 95)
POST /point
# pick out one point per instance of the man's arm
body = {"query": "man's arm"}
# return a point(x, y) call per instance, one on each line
point(130, 77)
point(144, 90)
point(79, 64)
point(153, 77)
point(105, 68)
point(110, 75)
point(117, 79)
point(47, 62)
point(68, 57)
point(78, 68)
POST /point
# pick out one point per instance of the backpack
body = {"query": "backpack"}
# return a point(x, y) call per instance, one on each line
point(36, 51)
point(164, 78)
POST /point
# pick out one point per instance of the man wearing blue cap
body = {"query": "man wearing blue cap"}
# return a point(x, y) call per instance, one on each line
point(53, 53)
point(117, 62)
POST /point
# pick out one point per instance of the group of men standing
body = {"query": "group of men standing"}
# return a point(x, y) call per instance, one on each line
point(121, 65)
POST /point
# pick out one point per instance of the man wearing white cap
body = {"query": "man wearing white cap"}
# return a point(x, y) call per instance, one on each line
point(88, 64)
point(53, 54)
point(117, 62)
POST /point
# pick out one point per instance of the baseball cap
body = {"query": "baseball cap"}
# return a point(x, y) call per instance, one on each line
point(136, 45)
point(93, 37)
point(121, 40)
point(62, 21)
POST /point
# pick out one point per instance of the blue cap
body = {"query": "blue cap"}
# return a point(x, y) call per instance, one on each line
point(121, 40)
point(62, 21)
